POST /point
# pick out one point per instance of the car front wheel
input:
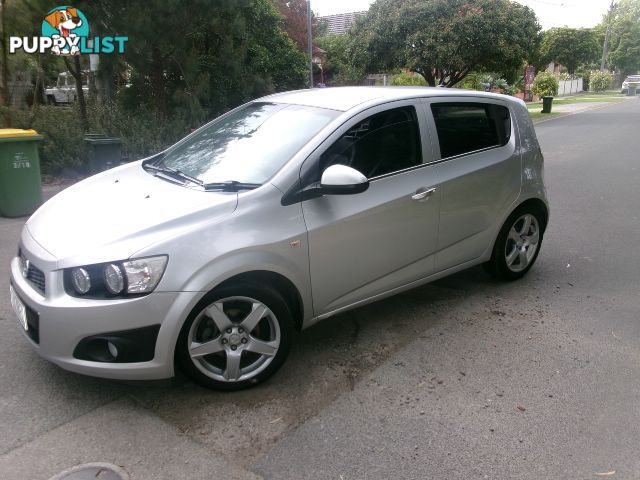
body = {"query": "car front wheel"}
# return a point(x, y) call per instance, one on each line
point(236, 337)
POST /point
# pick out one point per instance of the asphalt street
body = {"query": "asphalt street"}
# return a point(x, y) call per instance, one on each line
point(464, 378)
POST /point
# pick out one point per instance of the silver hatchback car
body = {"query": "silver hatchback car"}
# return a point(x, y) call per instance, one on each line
point(278, 214)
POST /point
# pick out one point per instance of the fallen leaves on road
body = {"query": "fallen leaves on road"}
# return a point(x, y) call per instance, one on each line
point(521, 408)
point(276, 420)
point(605, 474)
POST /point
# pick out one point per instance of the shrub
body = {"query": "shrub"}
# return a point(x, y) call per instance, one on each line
point(408, 80)
point(142, 131)
point(545, 84)
point(599, 81)
point(63, 145)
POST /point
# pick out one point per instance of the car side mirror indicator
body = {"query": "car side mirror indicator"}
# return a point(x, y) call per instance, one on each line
point(342, 180)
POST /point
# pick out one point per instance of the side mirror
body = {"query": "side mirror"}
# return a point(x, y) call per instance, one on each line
point(342, 180)
point(336, 180)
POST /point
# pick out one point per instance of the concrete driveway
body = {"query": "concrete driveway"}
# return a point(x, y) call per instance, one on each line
point(464, 378)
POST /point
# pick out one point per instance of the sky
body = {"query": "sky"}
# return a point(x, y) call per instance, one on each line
point(551, 13)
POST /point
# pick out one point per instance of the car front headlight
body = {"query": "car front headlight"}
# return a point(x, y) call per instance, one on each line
point(138, 276)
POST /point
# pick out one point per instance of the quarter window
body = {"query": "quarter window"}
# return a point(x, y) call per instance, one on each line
point(468, 127)
point(383, 143)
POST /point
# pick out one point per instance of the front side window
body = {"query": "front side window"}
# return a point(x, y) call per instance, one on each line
point(383, 143)
point(470, 126)
point(249, 145)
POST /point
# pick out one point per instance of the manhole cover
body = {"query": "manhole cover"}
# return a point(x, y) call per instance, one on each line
point(92, 471)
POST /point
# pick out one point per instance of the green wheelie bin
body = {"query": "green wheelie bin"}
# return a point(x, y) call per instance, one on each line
point(20, 183)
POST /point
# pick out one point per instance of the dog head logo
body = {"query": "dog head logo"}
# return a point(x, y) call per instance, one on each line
point(65, 25)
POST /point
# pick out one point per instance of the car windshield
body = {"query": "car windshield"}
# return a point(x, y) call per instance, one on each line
point(249, 145)
point(633, 78)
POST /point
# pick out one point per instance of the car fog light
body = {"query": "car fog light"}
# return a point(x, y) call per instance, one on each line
point(113, 279)
point(81, 280)
point(113, 350)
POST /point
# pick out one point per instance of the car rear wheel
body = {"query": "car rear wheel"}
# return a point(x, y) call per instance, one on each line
point(236, 337)
point(518, 244)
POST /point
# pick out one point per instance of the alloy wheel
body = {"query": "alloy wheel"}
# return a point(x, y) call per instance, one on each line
point(522, 243)
point(234, 339)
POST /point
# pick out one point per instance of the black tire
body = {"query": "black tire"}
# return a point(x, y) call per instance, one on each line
point(236, 294)
point(51, 100)
point(498, 265)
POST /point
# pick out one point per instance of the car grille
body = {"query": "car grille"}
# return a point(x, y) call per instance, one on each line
point(34, 275)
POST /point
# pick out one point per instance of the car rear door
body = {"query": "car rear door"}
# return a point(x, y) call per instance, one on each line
point(366, 244)
point(480, 173)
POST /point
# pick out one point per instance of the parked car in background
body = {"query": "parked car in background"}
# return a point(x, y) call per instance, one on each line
point(631, 81)
point(281, 213)
point(64, 92)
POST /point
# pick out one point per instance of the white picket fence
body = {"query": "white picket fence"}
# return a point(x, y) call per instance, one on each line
point(569, 87)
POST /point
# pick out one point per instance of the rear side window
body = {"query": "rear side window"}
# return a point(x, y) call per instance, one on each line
point(383, 143)
point(470, 126)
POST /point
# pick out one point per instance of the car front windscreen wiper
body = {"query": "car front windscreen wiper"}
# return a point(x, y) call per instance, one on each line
point(172, 173)
point(230, 186)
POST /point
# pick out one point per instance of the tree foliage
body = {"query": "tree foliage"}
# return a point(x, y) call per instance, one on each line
point(294, 13)
point(624, 53)
point(443, 40)
point(571, 47)
point(340, 67)
point(200, 57)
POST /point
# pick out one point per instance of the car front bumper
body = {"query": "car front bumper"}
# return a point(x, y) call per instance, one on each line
point(64, 321)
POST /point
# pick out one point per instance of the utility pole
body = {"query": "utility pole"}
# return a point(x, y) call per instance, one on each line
point(309, 40)
point(605, 49)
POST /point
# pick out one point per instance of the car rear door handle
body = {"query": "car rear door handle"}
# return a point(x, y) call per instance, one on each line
point(421, 195)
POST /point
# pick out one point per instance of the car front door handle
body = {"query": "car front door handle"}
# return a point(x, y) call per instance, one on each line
point(422, 195)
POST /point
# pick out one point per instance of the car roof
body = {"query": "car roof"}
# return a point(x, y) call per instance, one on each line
point(634, 77)
point(346, 98)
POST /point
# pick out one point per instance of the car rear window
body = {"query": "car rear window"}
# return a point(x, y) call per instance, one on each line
point(470, 126)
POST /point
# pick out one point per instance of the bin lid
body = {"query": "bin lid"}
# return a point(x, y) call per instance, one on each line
point(12, 134)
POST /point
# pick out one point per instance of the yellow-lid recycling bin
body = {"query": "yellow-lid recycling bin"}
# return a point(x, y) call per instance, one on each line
point(20, 183)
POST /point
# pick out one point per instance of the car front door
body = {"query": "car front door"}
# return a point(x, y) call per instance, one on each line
point(365, 244)
point(480, 174)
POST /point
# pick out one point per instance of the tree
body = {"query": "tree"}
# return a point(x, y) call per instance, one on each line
point(624, 53)
point(443, 40)
point(339, 66)
point(571, 47)
point(200, 65)
point(294, 13)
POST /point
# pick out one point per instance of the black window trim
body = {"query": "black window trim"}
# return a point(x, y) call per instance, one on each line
point(432, 124)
